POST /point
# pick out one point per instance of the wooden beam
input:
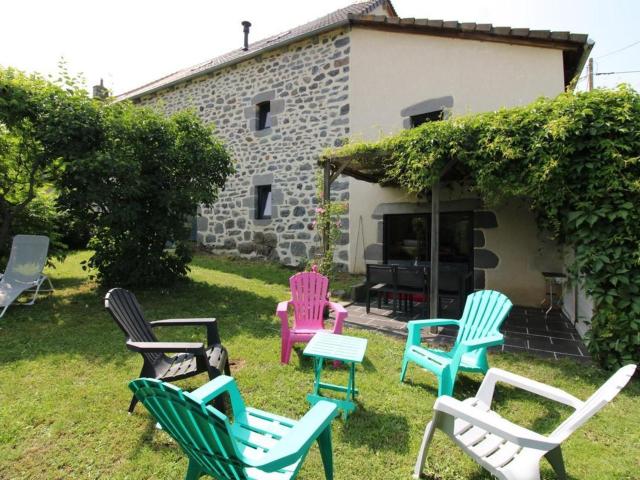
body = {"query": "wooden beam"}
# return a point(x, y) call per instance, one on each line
point(435, 249)
point(450, 164)
point(336, 173)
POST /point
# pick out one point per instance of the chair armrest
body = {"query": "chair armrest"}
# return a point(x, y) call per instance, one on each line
point(341, 315)
point(495, 375)
point(336, 307)
point(282, 311)
point(283, 307)
point(415, 326)
point(213, 337)
point(183, 321)
point(432, 322)
point(196, 348)
point(213, 388)
point(297, 440)
point(491, 341)
point(493, 424)
point(216, 387)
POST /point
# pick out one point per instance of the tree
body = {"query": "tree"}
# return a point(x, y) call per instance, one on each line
point(41, 123)
point(138, 189)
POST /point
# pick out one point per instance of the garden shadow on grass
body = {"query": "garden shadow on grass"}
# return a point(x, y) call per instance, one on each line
point(79, 324)
point(482, 474)
point(306, 362)
point(265, 271)
point(61, 283)
point(466, 385)
point(154, 438)
point(377, 430)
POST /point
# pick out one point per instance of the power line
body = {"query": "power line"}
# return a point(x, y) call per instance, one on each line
point(617, 73)
point(619, 50)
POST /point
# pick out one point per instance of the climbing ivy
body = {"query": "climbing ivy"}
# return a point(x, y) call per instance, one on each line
point(576, 159)
point(328, 225)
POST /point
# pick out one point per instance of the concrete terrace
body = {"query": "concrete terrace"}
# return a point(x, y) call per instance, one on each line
point(525, 330)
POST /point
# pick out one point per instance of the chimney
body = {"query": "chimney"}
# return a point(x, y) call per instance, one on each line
point(100, 92)
point(246, 26)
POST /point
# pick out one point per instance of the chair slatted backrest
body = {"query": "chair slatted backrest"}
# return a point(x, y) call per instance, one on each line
point(27, 259)
point(381, 274)
point(202, 432)
point(450, 281)
point(483, 315)
point(605, 394)
point(309, 297)
point(127, 313)
point(413, 277)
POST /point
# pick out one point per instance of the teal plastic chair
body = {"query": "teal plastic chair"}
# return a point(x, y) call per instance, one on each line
point(478, 329)
point(256, 445)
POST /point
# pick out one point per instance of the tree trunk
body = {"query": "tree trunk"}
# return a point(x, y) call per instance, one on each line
point(5, 229)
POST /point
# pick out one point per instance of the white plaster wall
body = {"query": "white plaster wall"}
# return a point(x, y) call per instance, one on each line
point(391, 71)
point(524, 254)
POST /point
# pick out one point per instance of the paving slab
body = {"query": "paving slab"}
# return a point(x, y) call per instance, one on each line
point(526, 329)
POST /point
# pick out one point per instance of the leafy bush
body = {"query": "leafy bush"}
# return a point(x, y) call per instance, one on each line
point(136, 192)
point(576, 158)
point(43, 217)
point(40, 123)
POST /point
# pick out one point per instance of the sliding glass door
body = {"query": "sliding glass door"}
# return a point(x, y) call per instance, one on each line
point(407, 239)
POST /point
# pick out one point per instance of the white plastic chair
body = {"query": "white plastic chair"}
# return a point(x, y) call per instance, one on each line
point(24, 270)
point(508, 451)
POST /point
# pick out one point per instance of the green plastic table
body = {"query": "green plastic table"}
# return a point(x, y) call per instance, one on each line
point(329, 346)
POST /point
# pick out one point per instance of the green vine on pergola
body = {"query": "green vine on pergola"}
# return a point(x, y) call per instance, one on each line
point(574, 158)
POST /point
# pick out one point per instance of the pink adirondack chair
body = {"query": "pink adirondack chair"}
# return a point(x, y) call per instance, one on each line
point(309, 299)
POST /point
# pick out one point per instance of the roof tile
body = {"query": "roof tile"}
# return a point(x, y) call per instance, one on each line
point(360, 13)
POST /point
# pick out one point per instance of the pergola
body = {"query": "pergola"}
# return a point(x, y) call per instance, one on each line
point(363, 166)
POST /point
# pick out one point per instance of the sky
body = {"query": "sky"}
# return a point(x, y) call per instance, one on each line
point(130, 43)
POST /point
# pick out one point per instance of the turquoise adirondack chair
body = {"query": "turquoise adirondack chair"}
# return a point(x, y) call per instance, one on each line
point(256, 445)
point(478, 329)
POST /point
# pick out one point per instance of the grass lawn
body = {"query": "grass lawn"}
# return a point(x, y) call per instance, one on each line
point(64, 371)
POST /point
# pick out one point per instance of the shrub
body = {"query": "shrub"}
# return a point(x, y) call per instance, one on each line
point(137, 191)
point(40, 123)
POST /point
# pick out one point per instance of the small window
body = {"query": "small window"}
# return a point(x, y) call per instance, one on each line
point(263, 207)
point(264, 115)
point(417, 120)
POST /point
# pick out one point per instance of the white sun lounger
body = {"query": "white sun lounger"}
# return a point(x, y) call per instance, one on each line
point(507, 450)
point(24, 270)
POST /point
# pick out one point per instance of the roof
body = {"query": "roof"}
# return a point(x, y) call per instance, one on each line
point(575, 47)
point(329, 22)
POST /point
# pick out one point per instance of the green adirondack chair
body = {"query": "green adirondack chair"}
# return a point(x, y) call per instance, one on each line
point(256, 445)
point(478, 329)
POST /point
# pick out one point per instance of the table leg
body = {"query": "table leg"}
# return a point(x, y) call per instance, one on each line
point(347, 405)
point(352, 381)
point(317, 367)
point(550, 299)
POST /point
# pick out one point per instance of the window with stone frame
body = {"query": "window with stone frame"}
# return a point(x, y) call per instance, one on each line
point(263, 115)
point(419, 119)
point(263, 202)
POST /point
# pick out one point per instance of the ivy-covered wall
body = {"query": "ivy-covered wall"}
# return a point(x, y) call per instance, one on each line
point(576, 160)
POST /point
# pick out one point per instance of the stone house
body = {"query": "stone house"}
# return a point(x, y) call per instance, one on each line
point(362, 72)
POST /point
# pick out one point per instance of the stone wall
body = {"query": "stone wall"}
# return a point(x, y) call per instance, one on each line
point(307, 85)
